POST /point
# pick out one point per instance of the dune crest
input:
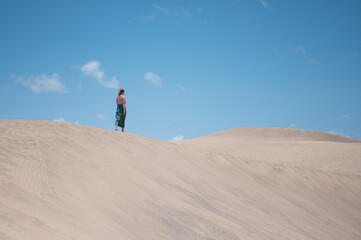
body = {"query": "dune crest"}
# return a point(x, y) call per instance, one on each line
point(67, 181)
point(282, 134)
point(287, 147)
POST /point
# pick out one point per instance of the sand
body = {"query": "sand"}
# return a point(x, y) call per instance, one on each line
point(67, 181)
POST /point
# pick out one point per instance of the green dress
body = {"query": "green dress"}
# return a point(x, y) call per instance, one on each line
point(120, 116)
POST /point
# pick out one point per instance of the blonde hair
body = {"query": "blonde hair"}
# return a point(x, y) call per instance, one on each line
point(120, 91)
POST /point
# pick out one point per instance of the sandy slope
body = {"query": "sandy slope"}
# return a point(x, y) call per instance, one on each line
point(291, 147)
point(65, 181)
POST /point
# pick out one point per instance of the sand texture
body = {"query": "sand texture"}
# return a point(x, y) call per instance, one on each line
point(66, 181)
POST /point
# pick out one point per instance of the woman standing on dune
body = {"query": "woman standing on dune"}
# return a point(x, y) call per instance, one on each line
point(121, 112)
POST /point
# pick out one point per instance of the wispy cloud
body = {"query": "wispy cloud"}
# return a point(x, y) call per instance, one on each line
point(42, 83)
point(345, 116)
point(93, 70)
point(100, 116)
point(177, 138)
point(160, 9)
point(265, 4)
point(301, 50)
point(153, 78)
point(157, 11)
point(292, 125)
point(174, 14)
point(298, 49)
point(59, 119)
point(180, 87)
point(339, 133)
point(185, 12)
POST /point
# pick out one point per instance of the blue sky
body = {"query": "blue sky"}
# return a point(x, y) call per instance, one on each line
point(189, 68)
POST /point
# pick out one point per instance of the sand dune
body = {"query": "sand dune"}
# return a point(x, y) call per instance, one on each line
point(66, 181)
point(291, 147)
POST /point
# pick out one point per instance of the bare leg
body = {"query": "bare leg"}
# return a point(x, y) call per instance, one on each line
point(116, 128)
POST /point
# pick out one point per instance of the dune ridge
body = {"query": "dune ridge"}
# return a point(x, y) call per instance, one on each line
point(67, 181)
point(281, 133)
point(287, 147)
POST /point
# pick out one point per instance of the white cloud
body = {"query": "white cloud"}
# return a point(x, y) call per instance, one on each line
point(100, 116)
point(344, 116)
point(339, 133)
point(176, 11)
point(265, 4)
point(292, 125)
point(180, 87)
point(174, 14)
point(297, 49)
point(153, 78)
point(42, 83)
point(160, 9)
point(93, 70)
point(80, 87)
point(59, 119)
point(177, 138)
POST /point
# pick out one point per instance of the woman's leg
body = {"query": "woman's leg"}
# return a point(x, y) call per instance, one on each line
point(122, 121)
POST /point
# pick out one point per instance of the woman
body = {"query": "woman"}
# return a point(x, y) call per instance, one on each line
point(121, 112)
